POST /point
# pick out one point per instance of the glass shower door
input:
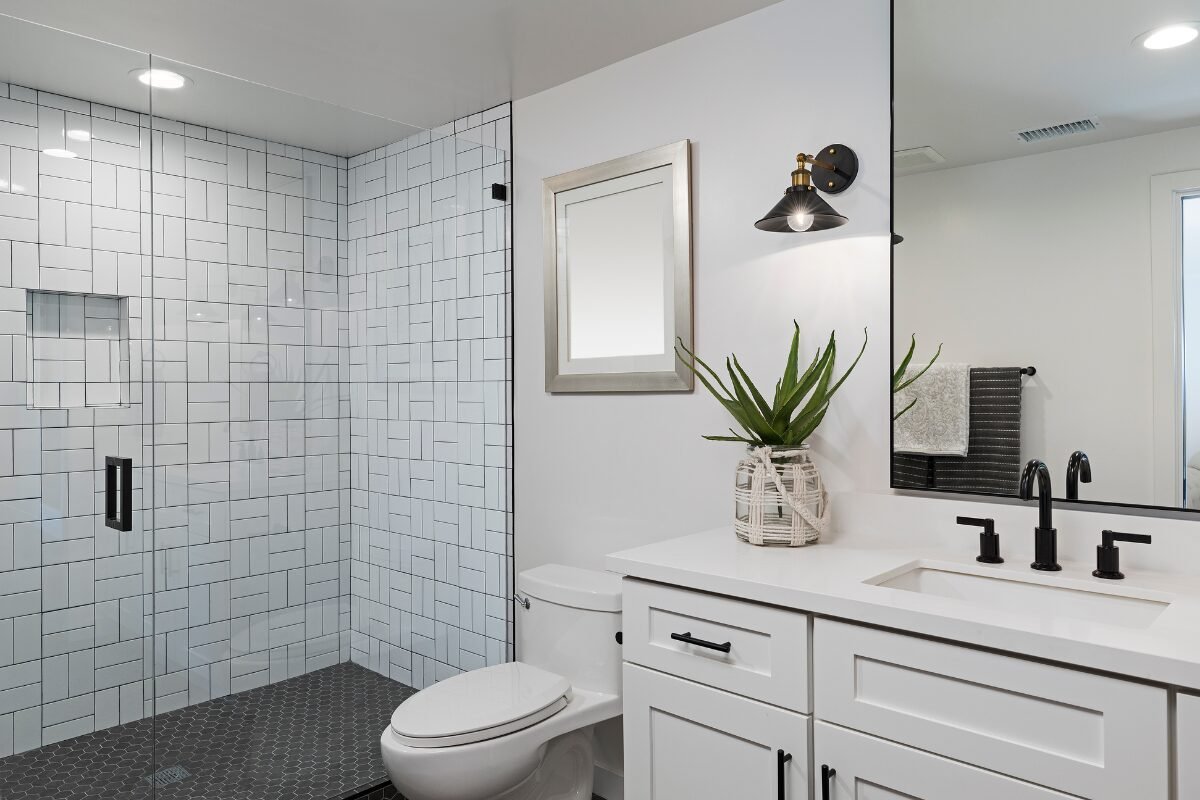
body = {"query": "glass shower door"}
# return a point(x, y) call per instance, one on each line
point(76, 612)
point(254, 692)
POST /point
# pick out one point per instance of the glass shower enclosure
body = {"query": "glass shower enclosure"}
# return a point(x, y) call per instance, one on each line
point(254, 434)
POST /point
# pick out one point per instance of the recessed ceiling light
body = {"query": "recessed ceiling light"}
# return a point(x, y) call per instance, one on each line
point(160, 78)
point(79, 135)
point(58, 152)
point(1169, 36)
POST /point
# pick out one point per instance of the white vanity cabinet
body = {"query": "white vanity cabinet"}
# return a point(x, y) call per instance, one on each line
point(720, 690)
point(1187, 746)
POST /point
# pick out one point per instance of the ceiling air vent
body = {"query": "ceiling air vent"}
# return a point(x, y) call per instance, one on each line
point(1056, 131)
point(916, 157)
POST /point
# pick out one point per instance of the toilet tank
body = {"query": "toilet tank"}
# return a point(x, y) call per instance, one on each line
point(571, 625)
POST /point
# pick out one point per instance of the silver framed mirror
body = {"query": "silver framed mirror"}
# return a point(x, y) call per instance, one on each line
point(618, 274)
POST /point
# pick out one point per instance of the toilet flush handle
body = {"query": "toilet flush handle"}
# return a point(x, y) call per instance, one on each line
point(524, 601)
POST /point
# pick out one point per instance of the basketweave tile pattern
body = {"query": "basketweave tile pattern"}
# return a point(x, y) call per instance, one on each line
point(308, 738)
point(430, 378)
point(236, 257)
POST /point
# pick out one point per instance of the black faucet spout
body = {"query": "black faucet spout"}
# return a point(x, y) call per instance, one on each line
point(1038, 469)
point(1079, 468)
point(1045, 538)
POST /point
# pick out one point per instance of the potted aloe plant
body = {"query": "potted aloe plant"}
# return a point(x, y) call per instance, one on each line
point(779, 497)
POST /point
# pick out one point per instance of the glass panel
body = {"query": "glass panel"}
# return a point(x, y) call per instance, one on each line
point(74, 574)
point(331, 423)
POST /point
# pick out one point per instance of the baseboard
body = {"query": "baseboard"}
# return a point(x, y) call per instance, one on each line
point(608, 785)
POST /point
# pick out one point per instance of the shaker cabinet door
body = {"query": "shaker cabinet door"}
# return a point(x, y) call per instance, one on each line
point(685, 741)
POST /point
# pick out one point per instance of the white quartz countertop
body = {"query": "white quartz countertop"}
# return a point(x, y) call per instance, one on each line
point(830, 580)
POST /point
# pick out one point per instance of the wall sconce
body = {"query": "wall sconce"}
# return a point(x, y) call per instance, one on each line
point(802, 209)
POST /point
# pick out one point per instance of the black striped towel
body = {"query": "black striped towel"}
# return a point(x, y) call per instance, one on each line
point(992, 464)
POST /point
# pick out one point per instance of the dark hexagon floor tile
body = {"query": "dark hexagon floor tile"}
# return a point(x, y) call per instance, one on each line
point(314, 737)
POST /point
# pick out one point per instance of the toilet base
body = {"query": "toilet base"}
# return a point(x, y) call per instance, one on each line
point(564, 774)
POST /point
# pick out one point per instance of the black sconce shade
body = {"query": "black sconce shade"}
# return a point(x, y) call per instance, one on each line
point(801, 209)
point(834, 168)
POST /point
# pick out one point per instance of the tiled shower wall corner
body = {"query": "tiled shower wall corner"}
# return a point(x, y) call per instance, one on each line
point(430, 382)
point(236, 254)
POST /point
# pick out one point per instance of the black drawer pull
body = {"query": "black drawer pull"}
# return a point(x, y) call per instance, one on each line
point(782, 759)
point(687, 638)
point(123, 520)
point(827, 773)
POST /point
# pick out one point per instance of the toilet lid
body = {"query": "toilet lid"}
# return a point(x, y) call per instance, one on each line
point(480, 704)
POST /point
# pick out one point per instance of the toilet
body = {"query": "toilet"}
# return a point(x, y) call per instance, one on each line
point(523, 730)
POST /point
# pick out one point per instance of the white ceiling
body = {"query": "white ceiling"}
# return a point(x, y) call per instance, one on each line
point(969, 73)
point(420, 62)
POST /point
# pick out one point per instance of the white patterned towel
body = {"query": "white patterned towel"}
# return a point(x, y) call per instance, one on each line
point(939, 423)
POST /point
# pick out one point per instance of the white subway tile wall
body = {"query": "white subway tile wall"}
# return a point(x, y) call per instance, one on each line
point(430, 422)
point(326, 412)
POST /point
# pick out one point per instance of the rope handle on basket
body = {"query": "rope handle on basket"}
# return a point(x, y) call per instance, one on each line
point(820, 523)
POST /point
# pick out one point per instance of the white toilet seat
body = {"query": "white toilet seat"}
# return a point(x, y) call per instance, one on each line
point(480, 705)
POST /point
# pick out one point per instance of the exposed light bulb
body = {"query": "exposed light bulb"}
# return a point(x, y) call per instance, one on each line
point(1171, 36)
point(800, 221)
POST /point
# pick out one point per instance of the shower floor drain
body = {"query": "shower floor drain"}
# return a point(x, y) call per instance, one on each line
point(166, 776)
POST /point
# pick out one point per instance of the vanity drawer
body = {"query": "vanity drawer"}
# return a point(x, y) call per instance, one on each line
point(868, 768)
point(768, 647)
point(1094, 736)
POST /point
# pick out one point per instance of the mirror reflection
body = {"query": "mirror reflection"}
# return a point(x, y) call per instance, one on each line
point(1047, 188)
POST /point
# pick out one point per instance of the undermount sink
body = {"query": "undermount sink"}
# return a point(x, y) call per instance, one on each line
point(1030, 595)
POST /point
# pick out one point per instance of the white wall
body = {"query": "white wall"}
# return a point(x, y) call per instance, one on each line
point(1045, 260)
point(597, 473)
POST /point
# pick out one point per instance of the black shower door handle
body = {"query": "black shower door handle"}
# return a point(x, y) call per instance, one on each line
point(121, 520)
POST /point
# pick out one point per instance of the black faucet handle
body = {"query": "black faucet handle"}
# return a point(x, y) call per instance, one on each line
point(1108, 537)
point(987, 523)
point(989, 540)
point(1108, 555)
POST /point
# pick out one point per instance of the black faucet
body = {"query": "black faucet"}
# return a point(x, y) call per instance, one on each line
point(1078, 469)
point(1045, 538)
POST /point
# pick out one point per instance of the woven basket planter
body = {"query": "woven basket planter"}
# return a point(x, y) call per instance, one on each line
point(779, 498)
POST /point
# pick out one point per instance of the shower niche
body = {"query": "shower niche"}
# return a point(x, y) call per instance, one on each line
point(77, 350)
